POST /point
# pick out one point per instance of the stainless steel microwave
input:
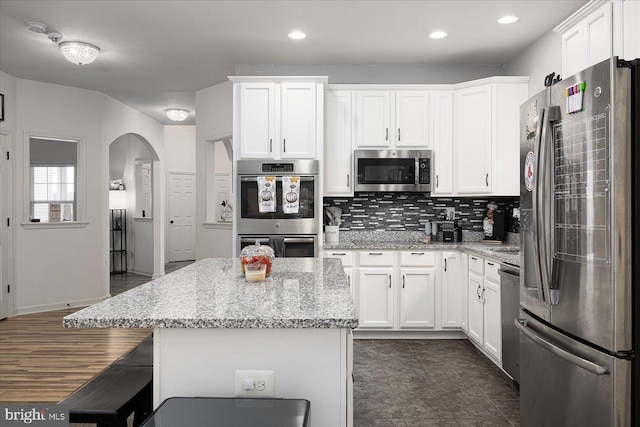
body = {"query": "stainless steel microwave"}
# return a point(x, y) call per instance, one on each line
point(393, 170)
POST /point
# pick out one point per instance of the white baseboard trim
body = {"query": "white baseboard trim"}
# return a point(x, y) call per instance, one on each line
point(142, 273)
point(31, 309)
point(403, 335)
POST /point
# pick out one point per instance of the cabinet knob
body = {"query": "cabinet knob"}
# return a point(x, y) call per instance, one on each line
point(171, 221)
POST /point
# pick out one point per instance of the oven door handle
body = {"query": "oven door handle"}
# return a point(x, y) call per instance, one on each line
point(298, 240)
point(253, 240)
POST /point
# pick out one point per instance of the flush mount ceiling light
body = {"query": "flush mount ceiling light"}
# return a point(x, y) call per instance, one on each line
point(508, 19)
point(79, 52)
point(177, 114)
point(438, 35)
point(297, 35)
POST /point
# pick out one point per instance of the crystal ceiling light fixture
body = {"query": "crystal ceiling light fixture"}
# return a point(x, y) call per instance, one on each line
point(177, 114)
point(80, 53)
point(507, 19)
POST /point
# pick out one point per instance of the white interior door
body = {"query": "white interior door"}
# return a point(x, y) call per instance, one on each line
point(182, 213)
point(4, 231)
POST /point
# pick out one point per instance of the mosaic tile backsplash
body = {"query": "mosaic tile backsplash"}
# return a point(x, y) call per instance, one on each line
point(410, 211)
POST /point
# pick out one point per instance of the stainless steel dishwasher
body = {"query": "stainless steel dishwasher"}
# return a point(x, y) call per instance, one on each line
point(509, 305)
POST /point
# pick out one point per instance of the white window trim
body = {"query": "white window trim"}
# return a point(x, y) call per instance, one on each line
point(81, 183)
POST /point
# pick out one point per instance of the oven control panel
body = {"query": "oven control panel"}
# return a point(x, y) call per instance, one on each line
point(277, 167)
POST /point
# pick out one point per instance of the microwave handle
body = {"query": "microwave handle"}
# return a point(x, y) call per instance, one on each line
point(417, 171)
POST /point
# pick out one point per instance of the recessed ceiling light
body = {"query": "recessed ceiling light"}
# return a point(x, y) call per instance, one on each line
point(508, 19)
point(297, 35)
point(438, 34)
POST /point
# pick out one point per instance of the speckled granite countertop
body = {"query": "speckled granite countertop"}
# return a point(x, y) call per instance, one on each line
point(212, 293)
point(409, 241)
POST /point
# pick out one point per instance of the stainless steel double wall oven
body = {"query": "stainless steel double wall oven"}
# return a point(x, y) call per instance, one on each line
point(299, 230)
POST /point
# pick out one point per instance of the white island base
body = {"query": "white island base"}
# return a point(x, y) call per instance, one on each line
point(312, 364)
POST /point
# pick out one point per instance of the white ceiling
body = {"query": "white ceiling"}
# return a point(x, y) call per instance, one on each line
point(156, 54)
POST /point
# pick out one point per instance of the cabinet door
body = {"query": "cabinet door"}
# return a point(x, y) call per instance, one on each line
point(631, 29)
point(257, 120)
point(492, 319)
point(464, 275)
point(412, 116)
point(442, 128)
point(598, 35)
point(338, 148)
point(375, 297)
point(298, 120)
point(473, 139)
point(573, 52)
point(476, 309)
point(452, 290)
point(372, 119)
point(417, 298)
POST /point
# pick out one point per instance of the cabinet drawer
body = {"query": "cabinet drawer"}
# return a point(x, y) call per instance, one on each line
point(417, 259)
point(376, 258)
point(491, 270)
point(346, 257)
point(476, 264)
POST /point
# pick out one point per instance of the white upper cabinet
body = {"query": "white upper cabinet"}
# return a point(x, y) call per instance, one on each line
point(256, 118)
point(412, 118)
point(442, 137)
point(486, 138)
point(597, 31)
point(372, 118)
point(473, 139)
point(278, 118)
point(391, 119)
point(338, 149)
point(298, 121)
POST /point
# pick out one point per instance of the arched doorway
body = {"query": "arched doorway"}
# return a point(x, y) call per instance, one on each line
point(131, 163)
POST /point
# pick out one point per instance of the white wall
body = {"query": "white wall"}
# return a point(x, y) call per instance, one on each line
point(540, 59)
point(60, 267)
point(215, 121)
point(180, 148)
point(142, 237)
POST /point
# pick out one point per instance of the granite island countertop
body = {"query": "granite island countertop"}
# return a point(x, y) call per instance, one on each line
point(213, 293)
point(409, 241)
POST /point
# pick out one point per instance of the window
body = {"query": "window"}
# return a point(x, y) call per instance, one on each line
point(53, 195)
point(54, 183)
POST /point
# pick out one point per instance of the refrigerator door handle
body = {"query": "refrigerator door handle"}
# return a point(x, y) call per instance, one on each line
point(569, 357)
point(542, 295)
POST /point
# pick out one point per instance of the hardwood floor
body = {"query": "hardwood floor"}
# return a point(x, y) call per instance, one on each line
point(40, 361)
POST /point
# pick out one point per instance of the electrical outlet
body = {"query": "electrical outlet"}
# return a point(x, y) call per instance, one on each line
point(254, 384)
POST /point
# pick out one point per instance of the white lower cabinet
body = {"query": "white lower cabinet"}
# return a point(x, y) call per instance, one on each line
point(485, 322)
point(375, 294)
point(417, 290)
point(452, 289)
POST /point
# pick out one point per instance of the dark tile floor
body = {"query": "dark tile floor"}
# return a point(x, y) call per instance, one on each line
point(416, 383)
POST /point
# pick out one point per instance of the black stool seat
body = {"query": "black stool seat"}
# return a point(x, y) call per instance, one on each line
point(230, 412)
point(113, 395)
point(141, 355)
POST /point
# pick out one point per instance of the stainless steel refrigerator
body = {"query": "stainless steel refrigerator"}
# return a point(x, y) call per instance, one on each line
point(580, 278)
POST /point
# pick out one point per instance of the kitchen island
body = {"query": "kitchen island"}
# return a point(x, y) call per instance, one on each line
point(209, 322)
